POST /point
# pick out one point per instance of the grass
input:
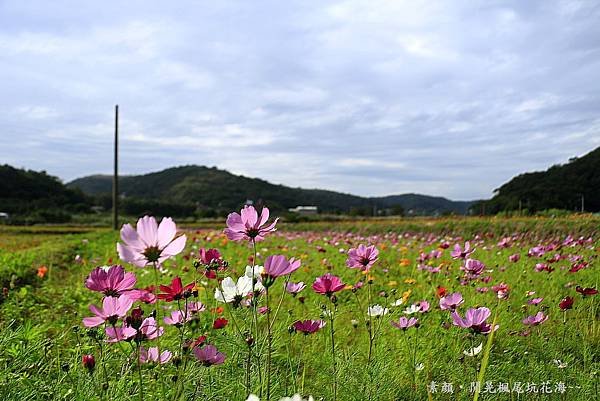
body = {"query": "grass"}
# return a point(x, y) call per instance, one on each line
point(42, 339)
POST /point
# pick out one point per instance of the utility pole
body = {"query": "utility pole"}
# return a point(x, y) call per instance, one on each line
point(582, 204)
point(115, 186)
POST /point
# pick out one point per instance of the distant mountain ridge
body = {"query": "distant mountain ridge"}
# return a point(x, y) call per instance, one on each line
point(562, 186)
point(209, 187)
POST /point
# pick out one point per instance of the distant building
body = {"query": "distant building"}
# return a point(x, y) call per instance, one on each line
point(4, 216)
point(304, 210)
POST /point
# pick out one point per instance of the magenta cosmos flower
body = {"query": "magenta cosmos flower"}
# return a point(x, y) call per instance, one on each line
point(276, 266)
point(328, 284)
point(209, 355)
point(308, 326)
point(249, 225)
point(362, 257)
point(475, 320)
point(451, 301)
point(151, 355)
point(150, 243)
point(113, 308)
point(405, 323)
point(535, 320)
point(460, 253)
point(112, 281)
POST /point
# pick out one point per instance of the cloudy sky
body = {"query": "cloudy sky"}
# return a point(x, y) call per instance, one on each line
point(370, 97)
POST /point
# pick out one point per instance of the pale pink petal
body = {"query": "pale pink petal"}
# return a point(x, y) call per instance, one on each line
point(174, 247)
point(92, 321)
point(264, 216)
point(131, 237)
point(249, 216)
point(166, 232)
point(148, 230)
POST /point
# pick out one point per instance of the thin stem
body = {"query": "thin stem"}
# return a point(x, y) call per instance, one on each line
point(269, 346)
point(139, 366)
point(334, 366)
point(157, 312)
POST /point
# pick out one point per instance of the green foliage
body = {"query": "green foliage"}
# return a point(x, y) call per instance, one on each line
point(559, 187)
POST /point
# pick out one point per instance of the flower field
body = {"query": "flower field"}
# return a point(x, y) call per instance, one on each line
point(253, 309)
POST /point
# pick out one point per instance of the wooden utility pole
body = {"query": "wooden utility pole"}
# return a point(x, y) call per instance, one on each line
point(582, 204)
point(115, 186)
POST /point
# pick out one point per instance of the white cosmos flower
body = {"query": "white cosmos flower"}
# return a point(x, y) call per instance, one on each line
point(419, 367)
point(473, 351)
point(295, 397)
point(230, 290)
point(258, 270)
point(414, 308)
point(377, 310)
point(398, 302)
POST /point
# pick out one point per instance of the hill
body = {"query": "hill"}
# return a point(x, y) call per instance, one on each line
point(31, 197)
point(559, 187)
point(214, 190)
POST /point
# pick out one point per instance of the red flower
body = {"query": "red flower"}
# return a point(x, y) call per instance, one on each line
point(441, 291)
point(89, 362)
point(175, 291)
point(586, 291)
point(220, 323)
point(566, 303)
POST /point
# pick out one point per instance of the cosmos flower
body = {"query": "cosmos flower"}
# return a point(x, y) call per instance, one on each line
point(112, 281)
point(460, 253)
point(295, 288)
point(535, 320)
point(362, 257)
point(176, 318)
point(586, 291)
point(277, 266)
point(377, 311)
point(451, 301)
point(249, 225)
point(475, 320)
point(208, 355)
point(151, 355)
point(473, 351)
point(113, 308)
point(405, 323)
point(566, 303)
point(535, 301)
point(327, 284)
point(308, 326)
point(502, 290)
point(473, 267)
point(514, 258)
point(231, 292)
point(150, 243)
point(175, 291)
point(220, 323)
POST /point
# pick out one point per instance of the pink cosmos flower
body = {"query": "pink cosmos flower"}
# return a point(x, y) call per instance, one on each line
point(209, 355)
point(294, 288)
point(308, 326)
point(149, 329)
point(151, 355)
point(535, 301)
point(362, 257)
point(514, 258)
point(459, 253)
point(196, 307)
point(473, 267)
point(405, 323)
point(278, 265)
point(150, 243)
point(423, 306)
point(535, 320)
point(327, 284)
point(120, 333)
point(249, 225)
point(176, 318)
point(451, 301)
point(113, 308)
point(112, 281)
point(475, 320)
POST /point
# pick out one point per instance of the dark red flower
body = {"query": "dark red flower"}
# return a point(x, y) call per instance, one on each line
point(220, 323)
point(441, 291)
point(586, 291)
point(89, 362)
point(566, 303)
point(175, 291)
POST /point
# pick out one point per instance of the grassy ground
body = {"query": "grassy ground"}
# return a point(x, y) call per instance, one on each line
point(42, 339)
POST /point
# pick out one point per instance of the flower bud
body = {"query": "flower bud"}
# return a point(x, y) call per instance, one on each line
point(89, 362)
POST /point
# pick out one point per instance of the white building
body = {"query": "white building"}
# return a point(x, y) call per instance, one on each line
point(304, 210)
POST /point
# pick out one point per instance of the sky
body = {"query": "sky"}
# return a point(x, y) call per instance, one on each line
point(449, 98)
